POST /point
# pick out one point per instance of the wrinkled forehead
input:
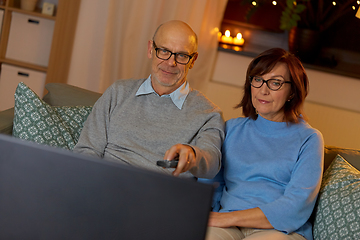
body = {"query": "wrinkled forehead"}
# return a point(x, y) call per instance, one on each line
point(176, 37)
point(265, 67)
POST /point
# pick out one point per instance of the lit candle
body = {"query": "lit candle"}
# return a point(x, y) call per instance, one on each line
point(239, 40)
point(226, 38)
point(219, 36)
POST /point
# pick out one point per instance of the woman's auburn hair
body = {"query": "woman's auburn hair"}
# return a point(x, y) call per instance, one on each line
point(264, 63)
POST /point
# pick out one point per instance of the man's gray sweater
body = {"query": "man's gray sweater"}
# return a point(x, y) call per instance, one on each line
point(138, 130)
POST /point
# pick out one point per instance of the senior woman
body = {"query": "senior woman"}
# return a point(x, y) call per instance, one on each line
point(272, 159)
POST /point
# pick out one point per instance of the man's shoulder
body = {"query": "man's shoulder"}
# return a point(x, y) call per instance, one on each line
point(122, 88)
point(198, 99)
point(128, 83)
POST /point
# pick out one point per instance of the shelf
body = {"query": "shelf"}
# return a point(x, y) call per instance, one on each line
point(23, 64)
point(36, 13)
point(65, 19)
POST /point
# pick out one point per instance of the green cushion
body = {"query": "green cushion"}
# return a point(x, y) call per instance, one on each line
point(37, 121)
point(338, 206)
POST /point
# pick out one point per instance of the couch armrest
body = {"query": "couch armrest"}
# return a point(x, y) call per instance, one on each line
point(351, 155)
point(6, 121)
point(61, 94)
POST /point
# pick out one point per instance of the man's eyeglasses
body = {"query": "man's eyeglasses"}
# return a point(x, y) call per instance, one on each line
point(272, 84)
point(165, 54)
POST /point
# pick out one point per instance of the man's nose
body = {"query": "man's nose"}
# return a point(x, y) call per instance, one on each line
point(171, 61)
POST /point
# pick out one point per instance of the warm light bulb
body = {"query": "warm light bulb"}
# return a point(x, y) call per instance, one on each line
point(227, 33)
point(353, 7)
point(274, 3)
point(358, 2)
point(334, 3)
point(254, 3)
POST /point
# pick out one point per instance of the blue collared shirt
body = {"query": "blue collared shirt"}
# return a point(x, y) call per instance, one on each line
point(178, 96)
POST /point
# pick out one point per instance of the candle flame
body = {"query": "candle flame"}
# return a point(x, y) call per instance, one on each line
point(239, 36)
point(227, 33)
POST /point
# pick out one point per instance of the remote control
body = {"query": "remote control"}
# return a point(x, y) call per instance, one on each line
point(167, 163)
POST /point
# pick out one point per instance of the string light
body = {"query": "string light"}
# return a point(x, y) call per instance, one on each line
point(334, 3)
point(274, 3)
point(254, 3)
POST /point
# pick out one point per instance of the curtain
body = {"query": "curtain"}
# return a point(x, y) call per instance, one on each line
point(111, 39)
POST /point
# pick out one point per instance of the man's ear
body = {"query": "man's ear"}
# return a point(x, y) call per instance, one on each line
point(150, 49)
point(193, 59)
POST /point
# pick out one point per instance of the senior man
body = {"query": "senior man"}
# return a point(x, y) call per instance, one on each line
point(138, 122)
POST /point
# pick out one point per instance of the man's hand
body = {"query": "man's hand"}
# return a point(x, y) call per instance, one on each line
point(186, 156)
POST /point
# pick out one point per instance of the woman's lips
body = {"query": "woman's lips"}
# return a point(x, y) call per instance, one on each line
point(263, 101)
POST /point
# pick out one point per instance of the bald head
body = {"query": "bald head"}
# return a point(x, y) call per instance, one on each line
point(173, 51)
point(179, 30)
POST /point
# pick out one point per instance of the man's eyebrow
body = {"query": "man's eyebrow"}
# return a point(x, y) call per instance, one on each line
point(181, 52)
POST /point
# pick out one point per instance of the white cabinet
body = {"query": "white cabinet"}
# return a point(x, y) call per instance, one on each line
point(9, 79)
point(35, 48)
point(30, 39)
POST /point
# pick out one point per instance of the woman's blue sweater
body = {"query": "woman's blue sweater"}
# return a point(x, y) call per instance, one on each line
point(274, 166)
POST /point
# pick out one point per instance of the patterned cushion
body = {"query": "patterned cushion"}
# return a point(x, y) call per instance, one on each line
point(37, 121)
point(338, 206)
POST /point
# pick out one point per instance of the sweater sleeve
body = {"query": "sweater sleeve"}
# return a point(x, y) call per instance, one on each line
point(207, 145)
point(291, 211)
point(93, 137)
point(218, 184)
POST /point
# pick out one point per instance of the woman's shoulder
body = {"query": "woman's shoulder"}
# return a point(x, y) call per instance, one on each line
point(307, 129)
point(234, 122)
point(309, 133)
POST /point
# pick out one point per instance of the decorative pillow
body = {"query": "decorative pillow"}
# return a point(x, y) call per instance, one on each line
point(338, 205)
point(37, 121)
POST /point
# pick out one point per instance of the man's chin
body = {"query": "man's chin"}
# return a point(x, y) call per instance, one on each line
point(167, 82)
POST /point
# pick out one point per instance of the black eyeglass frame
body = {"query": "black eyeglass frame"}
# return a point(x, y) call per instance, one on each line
point(171, 53)
point(267, 82)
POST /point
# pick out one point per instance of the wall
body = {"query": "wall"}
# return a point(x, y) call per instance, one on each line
point(333, 104)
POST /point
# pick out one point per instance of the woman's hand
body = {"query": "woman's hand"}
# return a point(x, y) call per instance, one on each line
point(224, 220)
point(251, 218)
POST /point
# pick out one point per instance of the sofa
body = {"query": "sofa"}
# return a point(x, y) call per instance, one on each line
point(337, 212)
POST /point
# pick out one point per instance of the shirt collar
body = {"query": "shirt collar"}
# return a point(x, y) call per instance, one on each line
point(178, 96)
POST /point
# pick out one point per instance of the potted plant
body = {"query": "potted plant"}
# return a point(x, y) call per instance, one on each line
point(305, 20)
point(316, 15)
